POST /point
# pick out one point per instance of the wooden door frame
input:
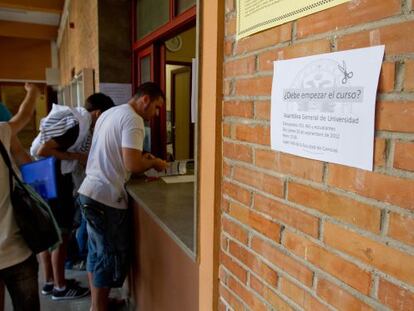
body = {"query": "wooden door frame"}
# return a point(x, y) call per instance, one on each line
point(211, 21)
point(185, 68)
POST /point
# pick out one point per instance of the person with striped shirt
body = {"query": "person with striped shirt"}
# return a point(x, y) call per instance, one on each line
point(66, 134)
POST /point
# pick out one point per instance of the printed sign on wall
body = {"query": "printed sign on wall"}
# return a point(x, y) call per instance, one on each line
point(257, 15)
point(323, 106)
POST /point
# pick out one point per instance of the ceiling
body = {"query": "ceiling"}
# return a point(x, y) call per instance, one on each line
point(34, 19)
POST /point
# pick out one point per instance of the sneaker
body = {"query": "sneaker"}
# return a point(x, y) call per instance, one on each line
point(47, 289)
point(71, 292)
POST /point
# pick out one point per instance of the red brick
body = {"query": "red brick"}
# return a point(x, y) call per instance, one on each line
point(256, 265)
point(387, 77)
point(387, 259)
point(240, 67)
point(396, 38)
point(237, 152)
point(347, 210)
point(247, 296)
point(258, 180)
point(284, 262)
point(258, 86)
point(231, 25)
point(348, 14)
point(404, 156)
point(237, 193)
point(346, 271)
point(401, 228)
point(272, 298)
point(243, 109)
point(409, 76)
point(235, 230)
point(267, 58)
point(231, 299)
point(273, 185)
point(379, 151)
point(287, 215)
point(228, 47)
point(233, 267)
point(289, 164)
point(226, 169)
point(395, 116)
point(300, 296)
point(262, 110)
point(395, 297)
point(255, 221)
point(301, 167)
point(257, 134)
point(390, 189)
point(339, 298)
point(227, 130)
point(264, 39)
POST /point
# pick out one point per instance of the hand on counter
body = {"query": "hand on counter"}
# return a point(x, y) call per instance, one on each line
point(159, 164)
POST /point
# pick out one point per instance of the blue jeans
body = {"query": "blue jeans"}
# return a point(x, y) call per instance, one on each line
point(82, 238)
point(21, 283)
point(108, 243)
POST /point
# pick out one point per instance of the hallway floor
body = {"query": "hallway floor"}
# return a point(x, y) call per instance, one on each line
point(82, 304)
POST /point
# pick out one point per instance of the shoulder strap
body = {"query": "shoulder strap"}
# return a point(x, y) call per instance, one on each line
point(6, 159)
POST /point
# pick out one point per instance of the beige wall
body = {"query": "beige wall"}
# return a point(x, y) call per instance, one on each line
point(79, 46)
point(187, 51)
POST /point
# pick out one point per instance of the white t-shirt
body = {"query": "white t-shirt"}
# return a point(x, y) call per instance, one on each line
point(106, 175)
point(13, 249)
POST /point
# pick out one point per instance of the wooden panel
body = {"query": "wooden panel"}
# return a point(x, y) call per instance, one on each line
point(26, 30)
point(51, 6)
point(163, 277)
point(24, 59)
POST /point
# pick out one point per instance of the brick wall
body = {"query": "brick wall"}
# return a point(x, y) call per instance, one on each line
point(79, 47)
point(304, 234)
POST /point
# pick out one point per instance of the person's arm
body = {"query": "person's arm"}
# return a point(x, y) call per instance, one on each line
point(51, 149)
point(136, 162)
point(18, 153)
point(26, 109)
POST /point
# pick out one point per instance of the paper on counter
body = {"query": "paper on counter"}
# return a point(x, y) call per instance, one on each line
point(178, 179)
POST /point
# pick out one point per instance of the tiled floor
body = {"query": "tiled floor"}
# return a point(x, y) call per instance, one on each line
point(83, 304)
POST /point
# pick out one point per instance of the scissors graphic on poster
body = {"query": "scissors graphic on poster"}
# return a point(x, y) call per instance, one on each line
point(347, 74)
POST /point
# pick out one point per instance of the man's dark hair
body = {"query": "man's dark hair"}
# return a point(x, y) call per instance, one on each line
point(99, 101)
point(151, 89)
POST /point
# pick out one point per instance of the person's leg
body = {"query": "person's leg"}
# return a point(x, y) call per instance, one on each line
point(1, 295)
point(47, 266)
point(99, 296)
point(58, 263)
point(82, 238)
point(46, 261)
point(22, 285)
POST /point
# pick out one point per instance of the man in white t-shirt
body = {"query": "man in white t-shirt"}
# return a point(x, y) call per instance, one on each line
point(18, 265)
point(116, 152)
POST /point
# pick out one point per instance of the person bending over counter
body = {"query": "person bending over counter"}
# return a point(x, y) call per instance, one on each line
point(116, 152)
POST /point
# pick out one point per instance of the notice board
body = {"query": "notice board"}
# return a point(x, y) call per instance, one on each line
point(257, 15)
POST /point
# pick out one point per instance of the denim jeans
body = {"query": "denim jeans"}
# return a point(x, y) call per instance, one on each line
point(108, 242)
point(21, 283)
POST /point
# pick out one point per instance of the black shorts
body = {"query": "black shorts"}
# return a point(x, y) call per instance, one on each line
point(63, 207)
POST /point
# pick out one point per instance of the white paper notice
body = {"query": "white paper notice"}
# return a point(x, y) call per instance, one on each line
point(120, 93)
point(323, 106)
